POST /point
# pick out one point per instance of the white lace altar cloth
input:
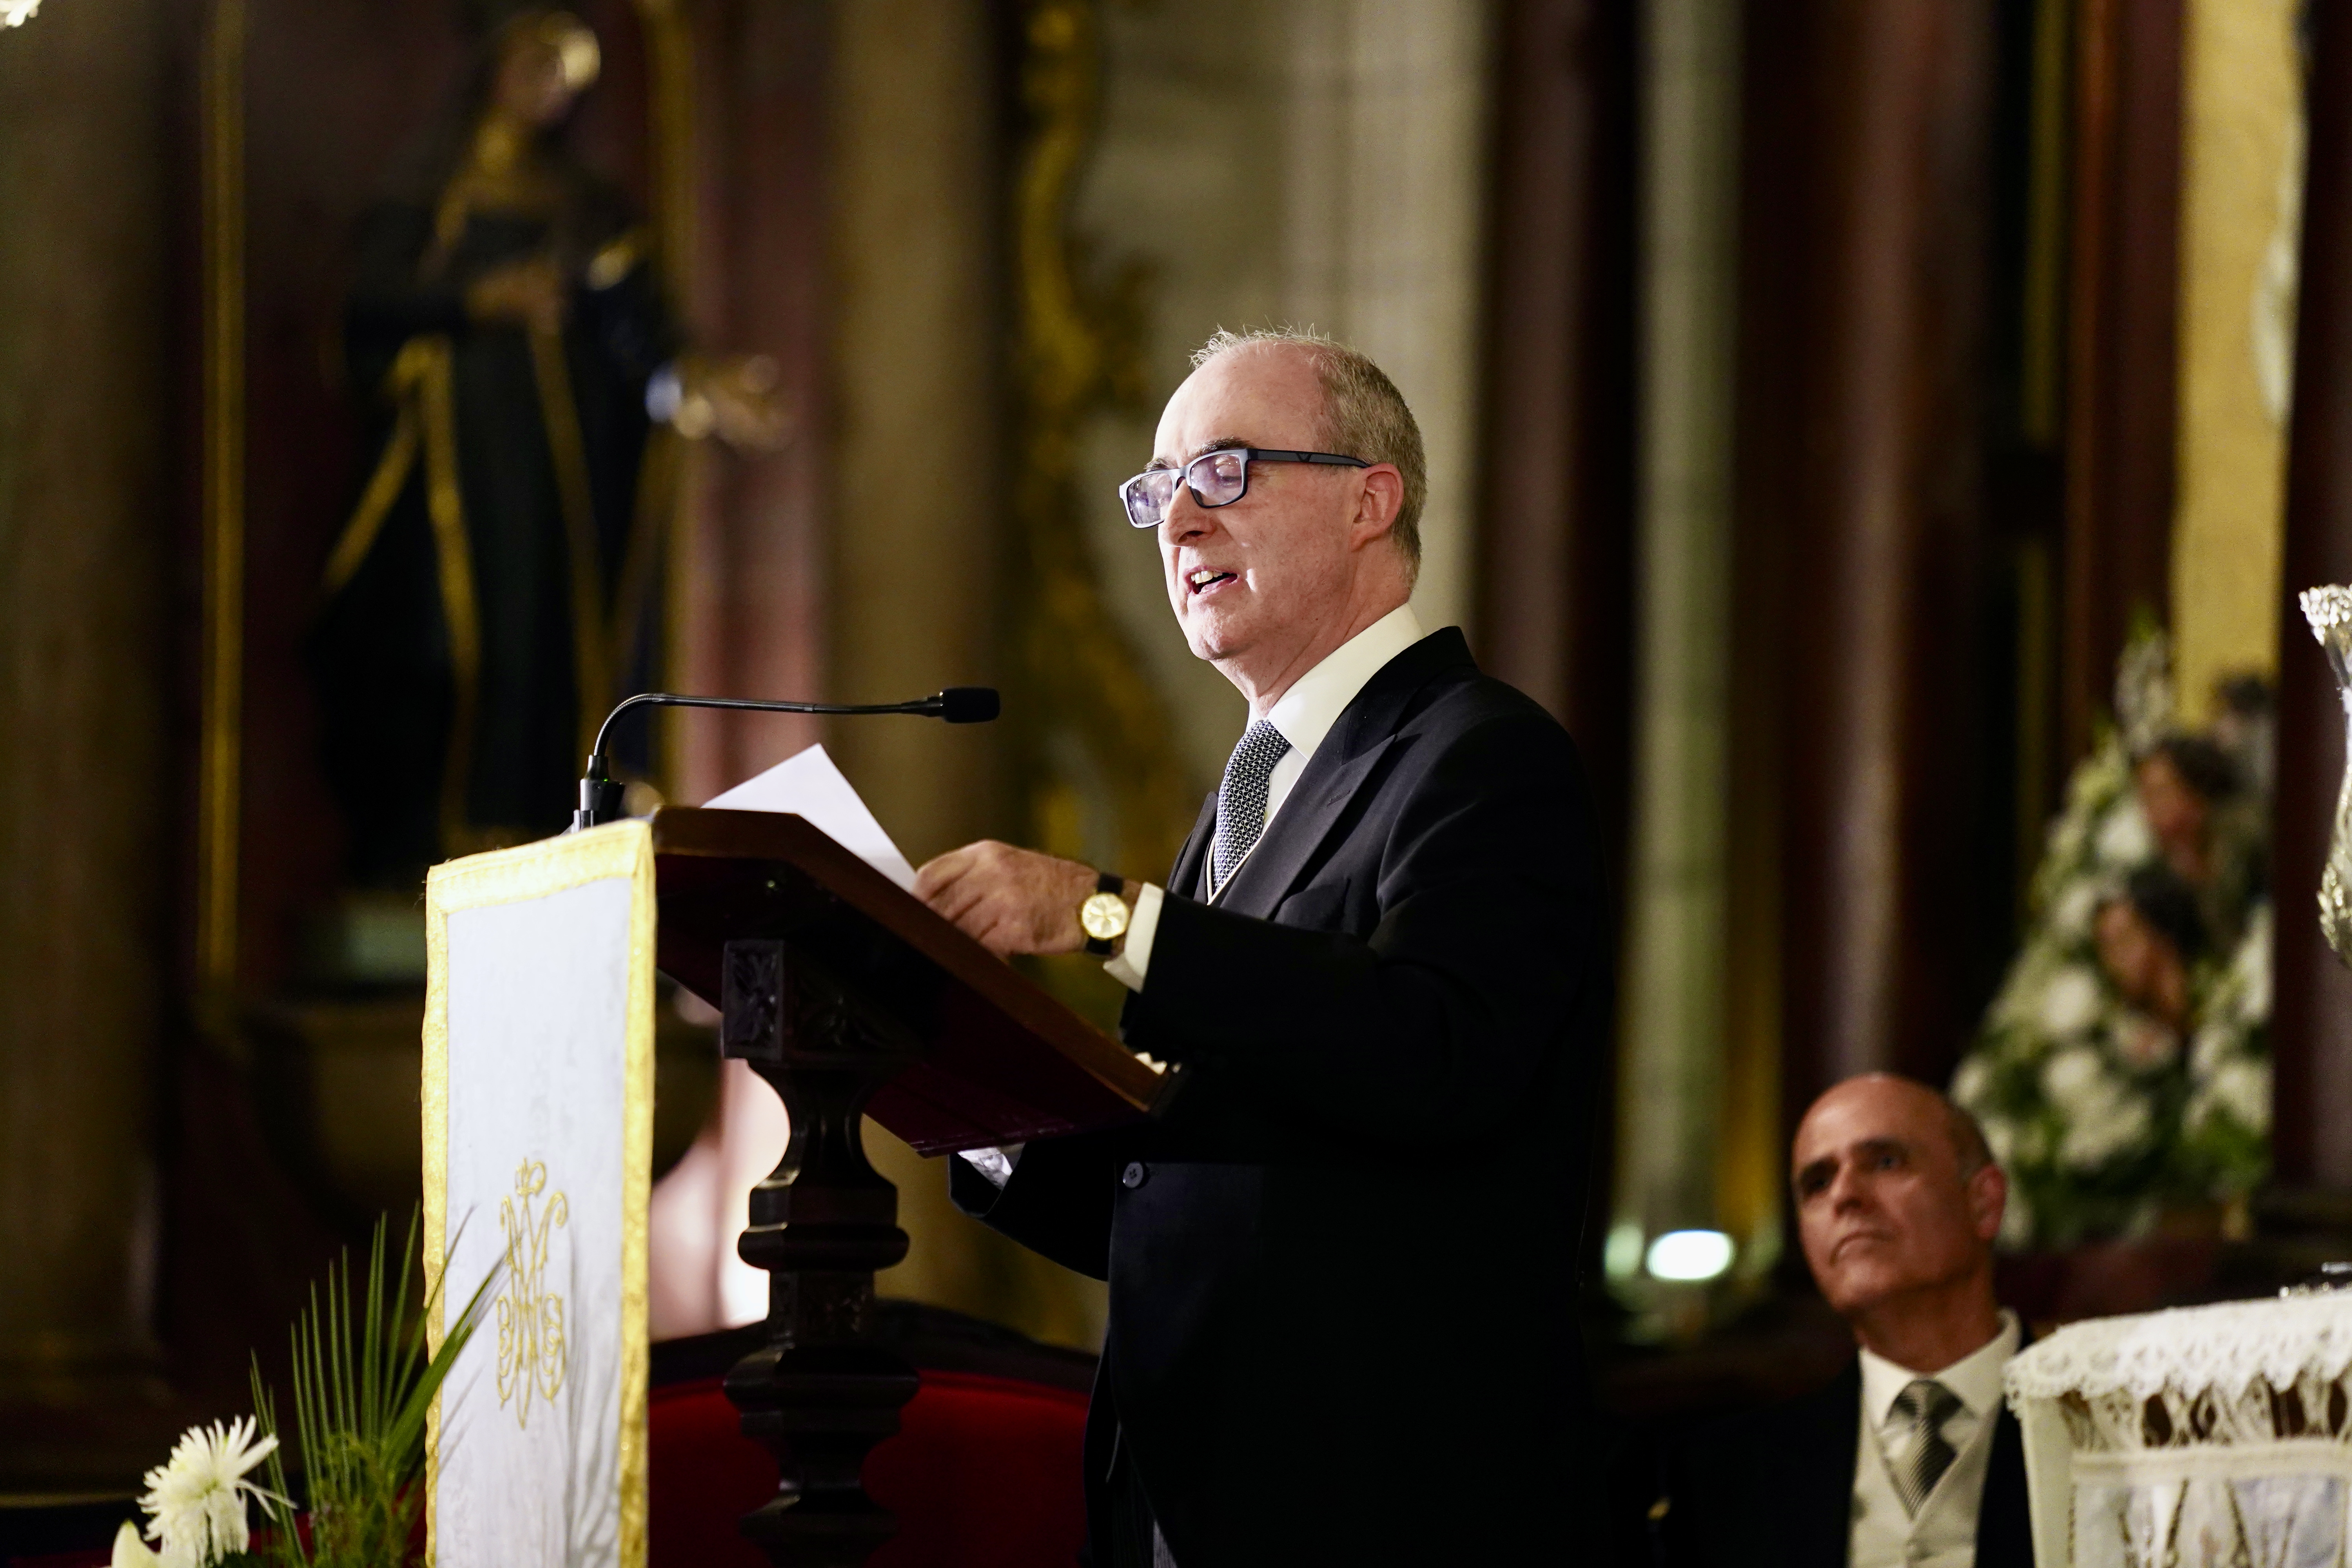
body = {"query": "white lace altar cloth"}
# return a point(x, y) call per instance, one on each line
point(2204, 1437)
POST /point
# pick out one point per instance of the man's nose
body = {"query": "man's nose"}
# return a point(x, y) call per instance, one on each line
point(1183, 518)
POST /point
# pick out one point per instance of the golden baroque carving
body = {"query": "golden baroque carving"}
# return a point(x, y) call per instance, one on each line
point(1078, 352)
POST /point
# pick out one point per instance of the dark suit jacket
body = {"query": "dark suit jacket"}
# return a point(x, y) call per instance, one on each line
point(1775, 1489)
point(1343, 1262)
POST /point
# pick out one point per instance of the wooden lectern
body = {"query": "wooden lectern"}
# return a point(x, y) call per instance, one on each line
point(850, 997)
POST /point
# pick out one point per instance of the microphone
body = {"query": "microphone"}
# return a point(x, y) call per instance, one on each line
point(600, 794)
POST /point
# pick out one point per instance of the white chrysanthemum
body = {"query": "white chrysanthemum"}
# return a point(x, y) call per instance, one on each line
point(2071, 1001)
point(130, 1551)
point(2124, 837)
point(16, 13)
point(197, 1499)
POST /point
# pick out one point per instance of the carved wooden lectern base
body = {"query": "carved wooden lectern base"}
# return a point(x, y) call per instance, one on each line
point(840, 990)
point(820, 1393)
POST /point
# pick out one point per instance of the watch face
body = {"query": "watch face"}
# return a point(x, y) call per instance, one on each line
point(1103, 916)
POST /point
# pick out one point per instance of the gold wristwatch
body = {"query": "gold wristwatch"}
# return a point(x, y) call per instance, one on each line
point(1103, 916)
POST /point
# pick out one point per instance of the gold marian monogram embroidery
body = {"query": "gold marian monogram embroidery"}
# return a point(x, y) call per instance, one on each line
point(532, 1356)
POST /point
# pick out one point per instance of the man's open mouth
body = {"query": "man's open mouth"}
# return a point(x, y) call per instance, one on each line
point(1203, 579)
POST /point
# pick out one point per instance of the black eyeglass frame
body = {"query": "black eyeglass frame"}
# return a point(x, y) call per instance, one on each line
point(1248, 455)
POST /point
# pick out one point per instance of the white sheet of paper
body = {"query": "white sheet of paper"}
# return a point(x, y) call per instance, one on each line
point(807, 783)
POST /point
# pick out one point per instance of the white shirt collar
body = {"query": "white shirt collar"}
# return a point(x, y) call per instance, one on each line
point(1306, 713)
point(1975, 1377)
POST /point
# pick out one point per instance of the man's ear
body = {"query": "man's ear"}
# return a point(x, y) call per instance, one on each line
point(1987, 1192)
point(1378, 503)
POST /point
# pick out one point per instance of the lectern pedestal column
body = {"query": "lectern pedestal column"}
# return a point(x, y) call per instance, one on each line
point(820, 1393)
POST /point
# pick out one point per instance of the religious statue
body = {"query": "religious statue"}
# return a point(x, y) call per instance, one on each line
point(496, 585)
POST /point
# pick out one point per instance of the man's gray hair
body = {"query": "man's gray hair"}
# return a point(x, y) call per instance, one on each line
point(1364, 415)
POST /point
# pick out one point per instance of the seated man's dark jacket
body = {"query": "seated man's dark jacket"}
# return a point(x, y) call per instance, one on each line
point(1774, 1489)
point(1342, 1261)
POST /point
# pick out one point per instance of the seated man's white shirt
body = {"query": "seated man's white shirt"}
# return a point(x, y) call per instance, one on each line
point(1304, 714)
point(1944, 1532)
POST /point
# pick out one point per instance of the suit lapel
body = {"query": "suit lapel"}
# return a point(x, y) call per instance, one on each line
point(1297, 830)
point(1348, 757)
point(1184, 882)
point(2004, 1516)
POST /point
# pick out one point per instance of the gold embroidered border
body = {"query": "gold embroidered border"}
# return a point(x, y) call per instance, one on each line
point(514, 876)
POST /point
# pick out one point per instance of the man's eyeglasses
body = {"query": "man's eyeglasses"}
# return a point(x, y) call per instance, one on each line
point(1215, 478)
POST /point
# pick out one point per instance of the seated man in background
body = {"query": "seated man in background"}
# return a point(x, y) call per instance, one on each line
point(1910, 1456)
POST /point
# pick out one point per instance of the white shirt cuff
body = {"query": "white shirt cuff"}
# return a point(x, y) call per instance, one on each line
point(996, 1164)
point(1132, 963)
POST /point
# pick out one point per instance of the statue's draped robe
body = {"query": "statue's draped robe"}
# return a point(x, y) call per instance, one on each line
point(449, 725)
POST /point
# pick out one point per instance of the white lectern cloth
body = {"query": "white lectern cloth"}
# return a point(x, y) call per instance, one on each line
point(538, 1101)
point(2202, 1437)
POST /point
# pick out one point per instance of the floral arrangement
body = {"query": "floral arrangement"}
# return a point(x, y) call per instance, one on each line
point(2122, 1071)
point(362, 1388)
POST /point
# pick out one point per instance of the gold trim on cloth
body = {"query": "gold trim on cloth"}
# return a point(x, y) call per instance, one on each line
point(516, 875)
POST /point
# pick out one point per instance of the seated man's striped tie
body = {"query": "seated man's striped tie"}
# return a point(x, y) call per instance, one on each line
point(1923, 1454)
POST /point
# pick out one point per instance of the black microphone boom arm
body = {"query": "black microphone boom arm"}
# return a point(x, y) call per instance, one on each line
point(600, 795)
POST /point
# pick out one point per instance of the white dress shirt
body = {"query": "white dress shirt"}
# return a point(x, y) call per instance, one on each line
point(1944, 1532)
point(1304, 714)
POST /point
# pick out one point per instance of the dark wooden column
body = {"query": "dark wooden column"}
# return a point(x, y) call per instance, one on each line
point(1556, 530)
point(1865, 262)
point(1555, 606)
point(2123, 290)
point(820, 1394)
point(2312, 1023)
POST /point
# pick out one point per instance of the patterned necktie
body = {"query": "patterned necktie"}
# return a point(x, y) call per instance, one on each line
point(1923, 1407)
point(1241, 798)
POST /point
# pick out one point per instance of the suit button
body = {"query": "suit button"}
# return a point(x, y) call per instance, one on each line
point(1133, 1175)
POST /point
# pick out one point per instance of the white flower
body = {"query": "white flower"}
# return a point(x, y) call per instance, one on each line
point(2213, 1043)
point(2103, 1118)
point(2071, 912)
point(130, 1551)
point(2249, 969)
point(197, 1499)
point(2070, 1002)
point(2243, 1089)
point(1969, 1083)
point(2124, 838)
point(16, 13)
point(2001, 1139)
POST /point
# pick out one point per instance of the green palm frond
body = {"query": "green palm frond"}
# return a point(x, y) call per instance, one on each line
point(364, 1388)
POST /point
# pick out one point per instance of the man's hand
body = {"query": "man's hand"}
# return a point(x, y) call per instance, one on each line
point(1010, 901)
